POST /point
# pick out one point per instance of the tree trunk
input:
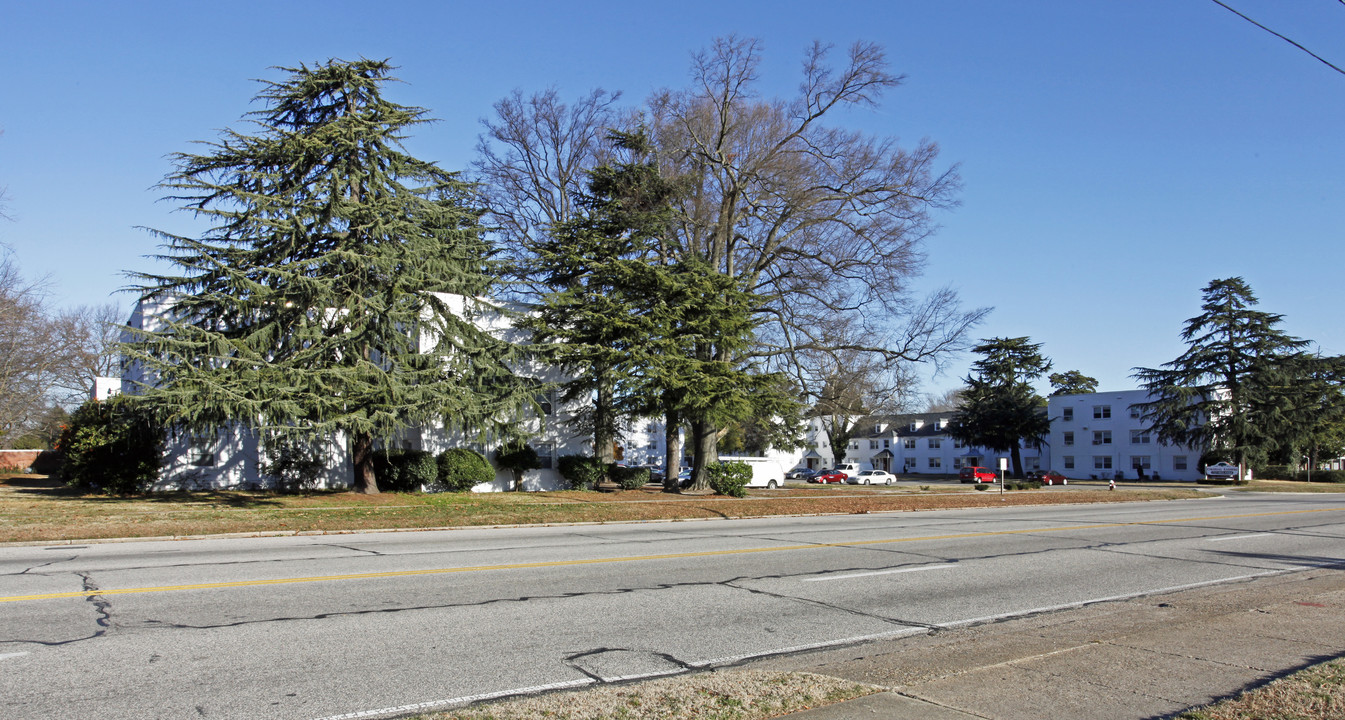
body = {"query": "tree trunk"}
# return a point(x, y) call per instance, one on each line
point(604, 437)
point(362, 458)
point(672, 442)
point(704, 450)
point(1017, 456)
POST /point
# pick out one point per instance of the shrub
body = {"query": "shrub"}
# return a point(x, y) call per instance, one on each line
point(581, 471)
point(1322, 476)
point(460, 469)
point(729, 478)
point(404, 470)
point(114, 446)
point(517, 457)
point(629, 478)
point(294, 463)
point(981, 486)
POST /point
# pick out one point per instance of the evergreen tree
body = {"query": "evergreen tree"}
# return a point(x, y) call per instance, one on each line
point(1072, 382)
point(335, 288)
point(1220, 394)
point(1307, 408)
point(999, 407)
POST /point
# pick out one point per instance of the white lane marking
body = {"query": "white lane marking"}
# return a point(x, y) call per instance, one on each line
point(1237, 537)
point(464, 700)
point(878, 572)
point(889, 635)
point(7, 656)
point(1113, 598)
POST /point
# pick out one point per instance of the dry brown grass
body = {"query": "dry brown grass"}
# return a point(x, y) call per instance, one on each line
point(1292, 486)
point(36, 509)
point(725, 695)
point(1317, 693)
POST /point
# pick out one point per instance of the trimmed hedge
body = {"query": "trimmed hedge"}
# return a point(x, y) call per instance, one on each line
point(629, 478)
point(729, 478)
point(460, 469)
point(581, 471)
point(404, 470)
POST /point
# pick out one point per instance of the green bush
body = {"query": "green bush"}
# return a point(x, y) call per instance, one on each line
point(629, 478)
point(114, 446)
point(581, 471)
point(460, 469)
point(1275, 472)
point(404, 470)
point(295, 464)
point(981, 486)
point(729, 478)
point(517, 457)
point(1321, 476)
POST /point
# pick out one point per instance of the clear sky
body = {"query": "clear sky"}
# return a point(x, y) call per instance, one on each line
point(1117, 155)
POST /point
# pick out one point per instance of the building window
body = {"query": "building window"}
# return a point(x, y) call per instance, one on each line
point(546, 455)
point(886, 443)
point(1101, 437)
point(941, 424)
point(854, 444)
point(1067, 414)
point(1101, 412)
point(546, 404)
point(1101, 462)
point(1069, 438)
point(873, 444)
point(934, 443)
point(202, 451)
point(1135, 412)
point(1178, 462)
point(1139, 437)
point(935, 462)
point(910, 443)
point(1139, 461)
point(1069, 462)
point(958, 443)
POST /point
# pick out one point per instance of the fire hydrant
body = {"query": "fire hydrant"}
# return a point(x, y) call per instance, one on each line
point(1111, 485)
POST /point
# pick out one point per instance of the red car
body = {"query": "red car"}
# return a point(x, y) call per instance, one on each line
point(830, 476)
point(1048, 477)
point(976, 474)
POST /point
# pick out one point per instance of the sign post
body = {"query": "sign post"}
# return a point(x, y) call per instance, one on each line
point(1003, 465)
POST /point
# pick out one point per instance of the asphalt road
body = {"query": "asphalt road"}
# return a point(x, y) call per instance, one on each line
point(368, 625)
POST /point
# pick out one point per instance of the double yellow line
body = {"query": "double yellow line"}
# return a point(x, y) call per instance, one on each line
point(634, 558)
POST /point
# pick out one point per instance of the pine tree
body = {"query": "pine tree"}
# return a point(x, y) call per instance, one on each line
point(1219, 394)
point(999, 407)
point(309, 307)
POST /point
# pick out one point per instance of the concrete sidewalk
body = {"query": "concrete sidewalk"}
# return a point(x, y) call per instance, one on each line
point(1141, 658)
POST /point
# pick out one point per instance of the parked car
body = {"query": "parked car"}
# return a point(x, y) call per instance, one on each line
point(976, 474)
point(872, 477)
point(1048, 477)
point(850, 469)
point(830, 476)
point(1221, 471)
point(800, 473)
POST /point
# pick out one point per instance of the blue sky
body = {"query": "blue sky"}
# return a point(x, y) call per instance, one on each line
point(1116, 155)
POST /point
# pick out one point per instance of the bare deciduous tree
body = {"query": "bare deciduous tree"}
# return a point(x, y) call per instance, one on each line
point(826, 223)
point(532, 162)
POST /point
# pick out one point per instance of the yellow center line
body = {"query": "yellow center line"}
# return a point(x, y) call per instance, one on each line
point(635, 558)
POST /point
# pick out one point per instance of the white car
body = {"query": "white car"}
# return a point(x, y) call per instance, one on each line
point(1221, 471)
point(872, 477)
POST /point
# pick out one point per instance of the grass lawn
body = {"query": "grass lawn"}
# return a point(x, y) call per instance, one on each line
point(1316, 693)
point(34, 508)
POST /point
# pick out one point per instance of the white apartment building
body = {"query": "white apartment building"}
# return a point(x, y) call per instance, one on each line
point(1101, 434)
point(233, 457)
point(915, 443)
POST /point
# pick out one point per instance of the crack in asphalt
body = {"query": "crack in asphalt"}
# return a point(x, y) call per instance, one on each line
point(29, 571)
point(102, 611)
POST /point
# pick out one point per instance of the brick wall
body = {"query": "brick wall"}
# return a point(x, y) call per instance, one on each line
point(12, 460)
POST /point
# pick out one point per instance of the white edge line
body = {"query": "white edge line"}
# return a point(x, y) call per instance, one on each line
point(1113, 598)
point(878, 572)
point(1237, 537)
point(7, 656)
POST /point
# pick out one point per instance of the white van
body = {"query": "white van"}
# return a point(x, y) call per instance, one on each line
point(850, 469)
point(766, 472)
